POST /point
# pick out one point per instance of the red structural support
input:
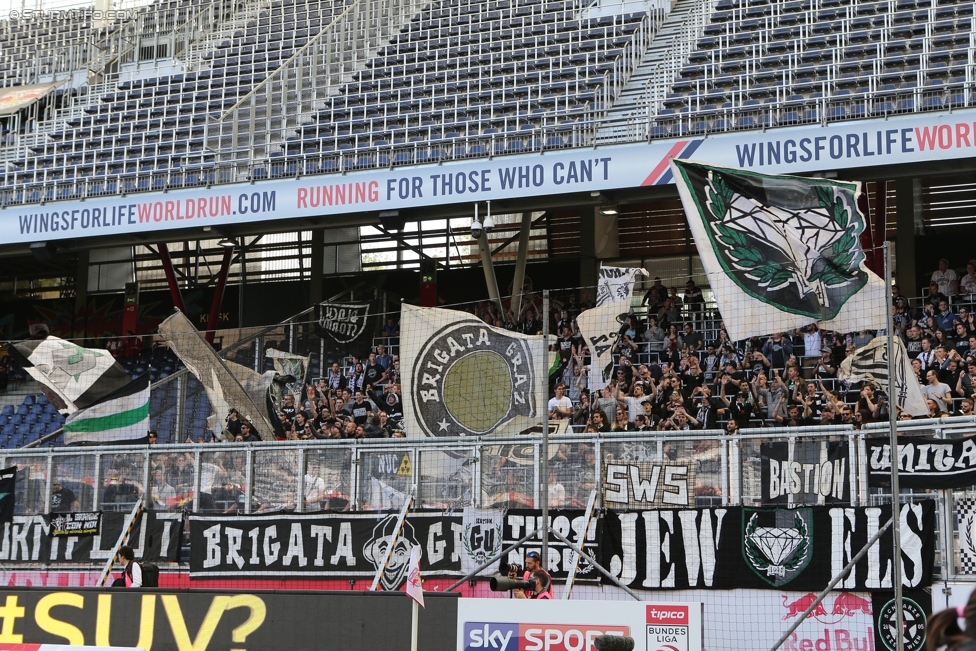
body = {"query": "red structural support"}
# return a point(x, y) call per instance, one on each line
point(219, 293)
point(174, 288)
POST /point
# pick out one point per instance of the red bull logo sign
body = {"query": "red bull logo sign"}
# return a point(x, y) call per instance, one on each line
point(843, 622)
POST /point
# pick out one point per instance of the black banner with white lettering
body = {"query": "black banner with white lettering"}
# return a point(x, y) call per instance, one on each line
point(569, 523)
point(923, 462)
point(74, 524)
point(806, 472)
point(784, 549)
point(155, 536)
point(347, 328)
point(340, 545)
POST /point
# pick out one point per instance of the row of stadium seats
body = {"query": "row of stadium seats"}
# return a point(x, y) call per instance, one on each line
point(457, 69)
point(770, 63)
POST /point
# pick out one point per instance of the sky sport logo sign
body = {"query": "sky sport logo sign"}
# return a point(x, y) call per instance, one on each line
point(510, 636)
point(667, 628)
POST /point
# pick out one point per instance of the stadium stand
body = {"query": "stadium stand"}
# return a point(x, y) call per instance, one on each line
point(764, 64)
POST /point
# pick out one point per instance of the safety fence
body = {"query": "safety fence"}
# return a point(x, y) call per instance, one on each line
point(628, 471)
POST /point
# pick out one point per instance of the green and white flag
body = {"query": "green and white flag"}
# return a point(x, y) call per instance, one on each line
point(780, 252)
point(120, 417)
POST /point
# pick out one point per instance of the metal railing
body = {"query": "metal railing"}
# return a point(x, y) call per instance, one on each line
point(255, 122)
point(449, 473)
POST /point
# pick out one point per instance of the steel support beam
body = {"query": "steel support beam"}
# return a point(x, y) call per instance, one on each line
point(218, 299)
point(174, 287)
point(489, 268)
point(523, 252)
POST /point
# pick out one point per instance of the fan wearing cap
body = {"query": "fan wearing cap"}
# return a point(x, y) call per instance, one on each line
point(533, 564)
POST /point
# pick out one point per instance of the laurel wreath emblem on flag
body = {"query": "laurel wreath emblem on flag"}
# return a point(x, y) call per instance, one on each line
point(777, 554)
point(788, 255)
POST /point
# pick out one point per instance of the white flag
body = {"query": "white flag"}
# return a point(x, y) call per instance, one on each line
point(781, 252)
point(870, 364)
point(415, 584)
point(616, 284)
point(600, 327)
point(466, 378)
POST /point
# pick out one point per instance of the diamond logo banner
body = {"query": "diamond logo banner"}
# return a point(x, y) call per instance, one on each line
point(780, 252)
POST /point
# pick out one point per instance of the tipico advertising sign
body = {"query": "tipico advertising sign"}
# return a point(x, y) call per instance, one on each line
point(520, 625)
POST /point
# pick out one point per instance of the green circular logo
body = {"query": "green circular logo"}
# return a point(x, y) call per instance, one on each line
point(914, 629)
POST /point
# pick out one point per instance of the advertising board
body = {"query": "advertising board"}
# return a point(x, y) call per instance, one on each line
point(521, 625)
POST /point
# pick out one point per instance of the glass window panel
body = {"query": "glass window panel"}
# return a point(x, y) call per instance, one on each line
point(328, 480)
point(166, 490)
point(572, 475)
point(122, 480)
point(73, 485)
point(386, 478)
point(31, 484)
point(223, 481)
point(446, 480)
point(275, 480)
point(508, 476)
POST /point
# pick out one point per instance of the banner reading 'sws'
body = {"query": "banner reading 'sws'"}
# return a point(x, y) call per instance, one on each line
point(783, 549)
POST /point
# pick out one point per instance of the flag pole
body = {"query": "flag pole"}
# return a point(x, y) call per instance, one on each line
point(893, 434)
point(544, 480)
point(414, 625)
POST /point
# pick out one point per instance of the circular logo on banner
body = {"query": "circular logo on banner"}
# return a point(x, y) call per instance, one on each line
point(469, 380)
point(915, 622)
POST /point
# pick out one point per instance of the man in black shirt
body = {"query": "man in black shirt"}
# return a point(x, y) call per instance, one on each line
point(361, 409)
point(119, 494)
point(288, 407)
point(373, 373)
point(691, 338)
point(63, 500)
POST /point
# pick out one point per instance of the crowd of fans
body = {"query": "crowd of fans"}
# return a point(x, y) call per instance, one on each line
point(676, 368)
point(359, 401)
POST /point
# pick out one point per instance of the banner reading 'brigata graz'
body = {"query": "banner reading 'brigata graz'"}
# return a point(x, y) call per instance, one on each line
point(780, 252)
point(466, 378)
point(335, 545)
point(784, 549)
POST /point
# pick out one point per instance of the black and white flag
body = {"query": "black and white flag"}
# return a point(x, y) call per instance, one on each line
point(256, 396)
point(923, 463)
point(965, 510)
point(467, 378)
point(600, 328)
point(334, 545)
point(870, 364)
point(616, 284)
point(780, 252)
point(72, 376)
point(75, 524)
point(347, 328)
point(806, 472)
